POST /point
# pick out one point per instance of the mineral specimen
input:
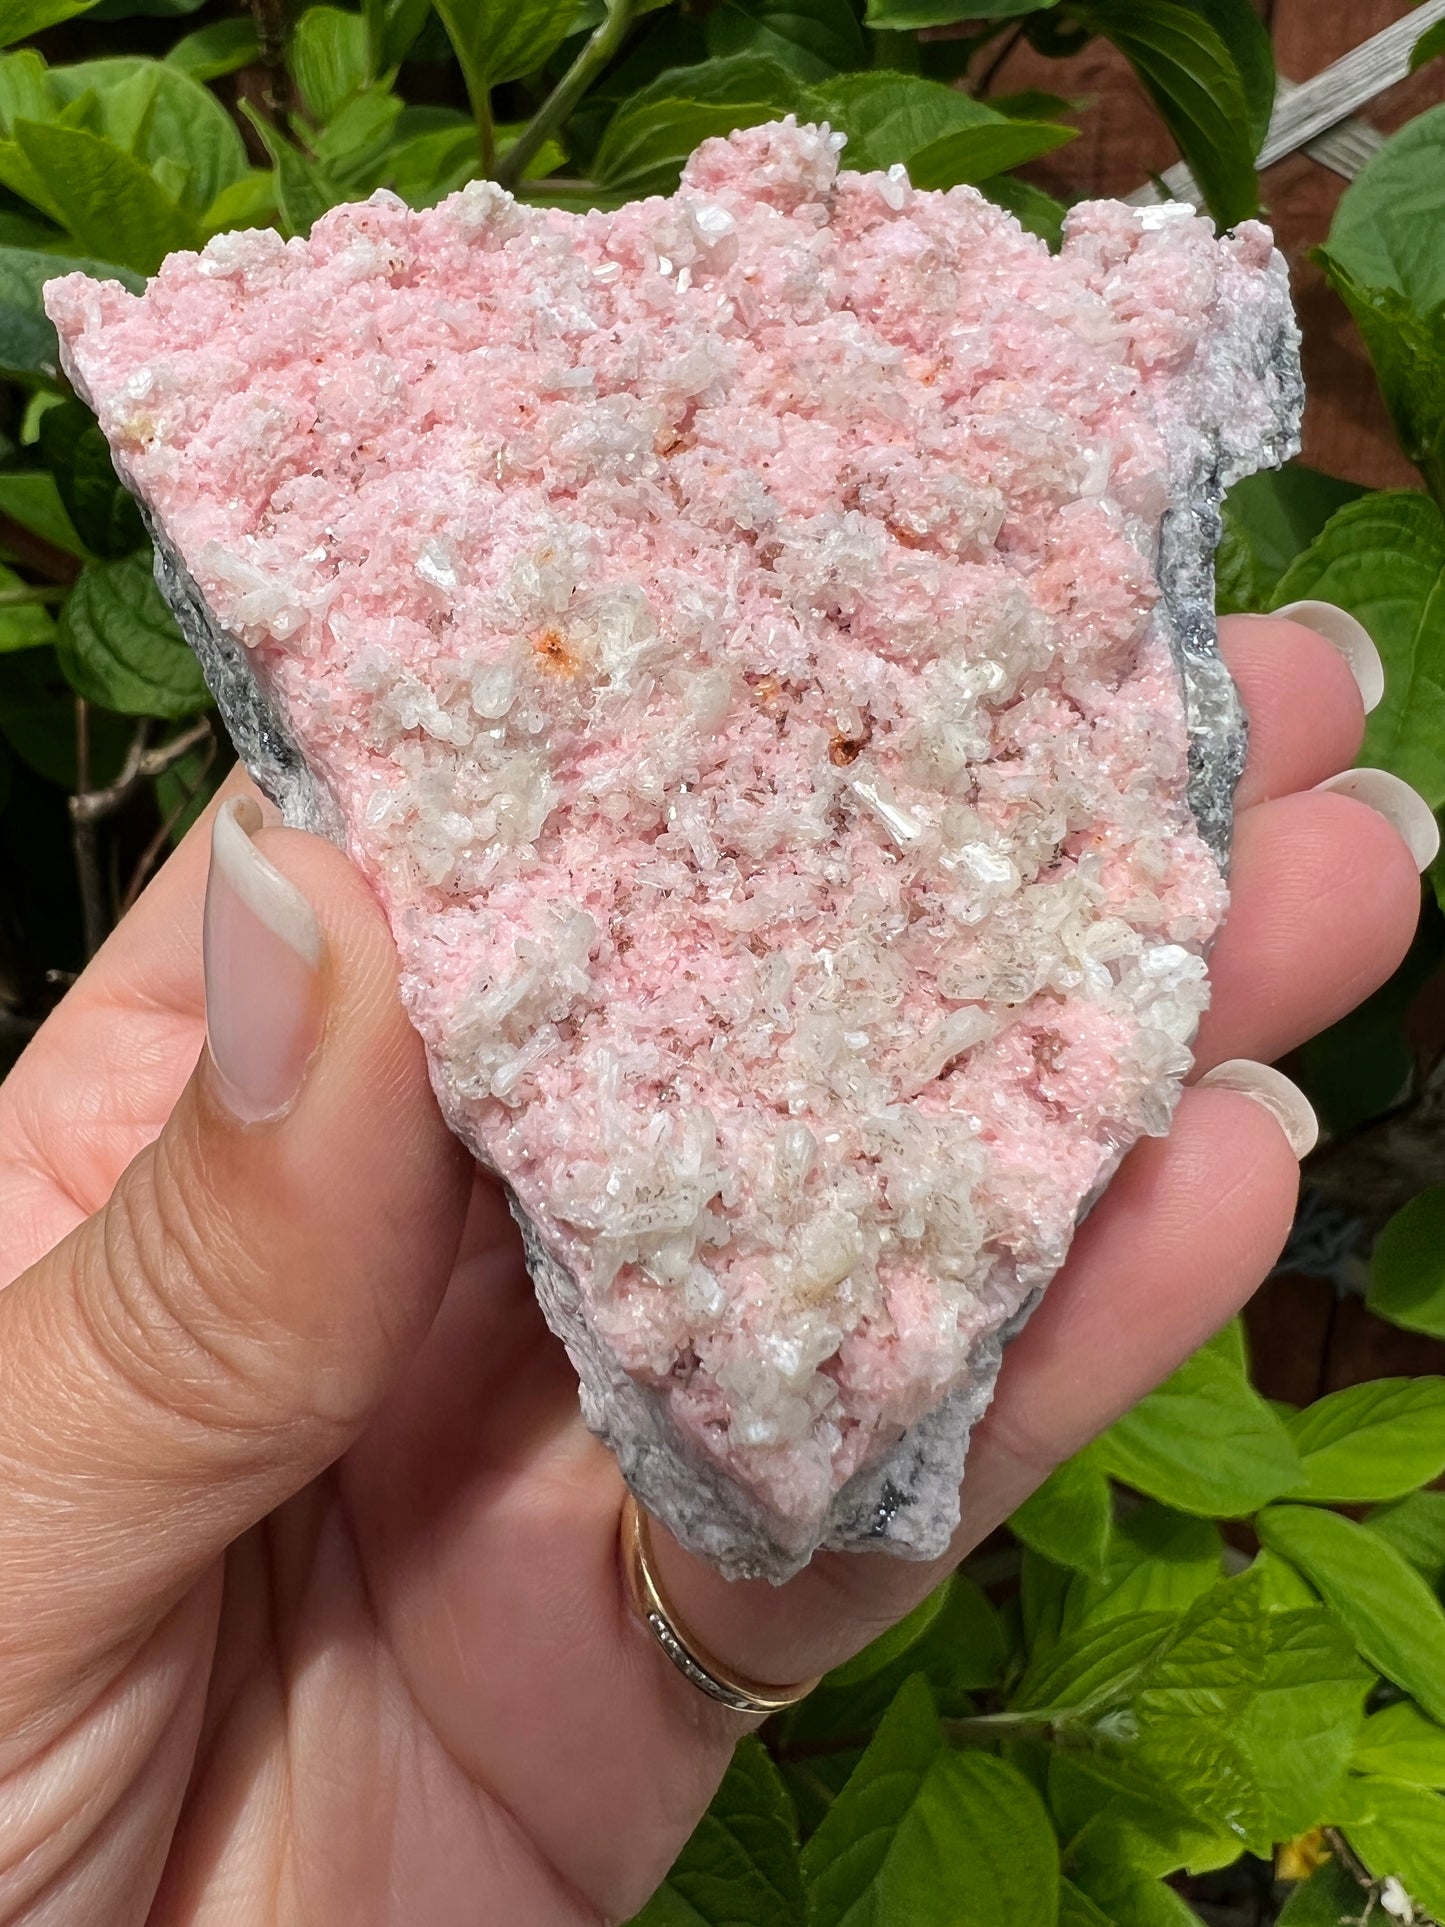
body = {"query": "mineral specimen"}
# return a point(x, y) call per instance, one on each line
point(758, 645)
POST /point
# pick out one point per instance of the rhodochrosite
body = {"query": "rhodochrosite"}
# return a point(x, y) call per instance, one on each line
point(759, 645)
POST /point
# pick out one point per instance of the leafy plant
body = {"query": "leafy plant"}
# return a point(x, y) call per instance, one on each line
point(1215, 1638)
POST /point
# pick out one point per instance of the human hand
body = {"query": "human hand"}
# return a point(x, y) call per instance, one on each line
point(311, 1607)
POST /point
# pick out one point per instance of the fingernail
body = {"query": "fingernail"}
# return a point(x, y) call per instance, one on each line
point(1285, 1102)
point(1400, 806)
point(1351, 638)
point(263, 949)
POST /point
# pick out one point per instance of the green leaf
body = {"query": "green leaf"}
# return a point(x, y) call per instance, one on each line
point(22, 18)
point(956, 1620)
point(1404, 1838)
point(1077, 1910)
point(1150, 1819)
point(1363, 1065)
point(1095, 1666)
point(1284, 1590)
point(740, 1868)
point(499, 40)
point(392, 27)
point(1269, 519)
point(186, 128)
point(811, 38)
point(1070, 1519)
point(1195, 83)
point(119, 646)
point(1160, 1561)
point(1384, 559)
point(1385, 233)
point(100, 506)
point(1329, 1897)
point(1125, 1896)
point(425, 169)
point(37, 720)
point(25, 625)
point(955, 1640)
point(1043, 1592)
point(1299, 1730)
point(1374, 1441)
point(353, 149)
point(1416, 1529)
point(213, 51)
point(27, 340)
point(931, 1837)
point(1037, 212)
point(109, 202)
point(1401, 1744)
point(1205, 1441)
point(27, 89)
point(1214, 1660)
point(249, 202)
point(31, 498)
point(650, 136)
point(330, 57)
point(1429, 46)
point(1383, 259)
point(902, 16)
point(304, 190)
point(1395, 1620)
point(1246, 39)
point(941, 136)
point(1407, 1273)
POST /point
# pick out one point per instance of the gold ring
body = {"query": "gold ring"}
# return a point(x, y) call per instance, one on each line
point(696, 1664)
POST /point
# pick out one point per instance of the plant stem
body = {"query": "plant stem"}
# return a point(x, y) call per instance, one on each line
point(150, 856)
point(990, 73)
point(993, 1726)
point(272, 33)
point(36, 553)
point(84, 841)
point(599, 49)
point(961, 1732)
point(47, 592)
point(486, 130)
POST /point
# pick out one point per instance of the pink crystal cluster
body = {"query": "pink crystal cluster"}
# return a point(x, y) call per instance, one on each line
point(729, 630)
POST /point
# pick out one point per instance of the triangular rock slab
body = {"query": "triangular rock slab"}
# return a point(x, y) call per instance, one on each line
point(759, 645)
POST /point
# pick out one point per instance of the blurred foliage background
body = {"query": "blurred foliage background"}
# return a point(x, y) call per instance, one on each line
point(1201, 1676)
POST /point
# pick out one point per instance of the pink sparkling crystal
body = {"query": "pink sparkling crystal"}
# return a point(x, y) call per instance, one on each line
point(728, 633)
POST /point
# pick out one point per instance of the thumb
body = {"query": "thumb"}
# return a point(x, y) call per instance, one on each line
point(219, 1332)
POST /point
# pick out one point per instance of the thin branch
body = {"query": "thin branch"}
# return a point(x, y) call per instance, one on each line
point(272, 33)
point(990, 72)
point(149, 857)
point(36, 553)
point(141, 764)
point(84, 840)
point(959, 1732)
point(600, 48)
point(44, 592)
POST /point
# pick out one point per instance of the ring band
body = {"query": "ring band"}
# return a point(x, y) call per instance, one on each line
point(694, 1662)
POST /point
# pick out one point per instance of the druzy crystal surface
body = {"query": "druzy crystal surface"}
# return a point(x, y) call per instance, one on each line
point(757, 644)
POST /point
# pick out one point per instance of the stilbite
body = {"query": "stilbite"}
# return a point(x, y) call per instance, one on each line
point(759, 646)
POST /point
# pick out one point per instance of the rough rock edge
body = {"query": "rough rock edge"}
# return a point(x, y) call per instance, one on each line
point(1250, 395)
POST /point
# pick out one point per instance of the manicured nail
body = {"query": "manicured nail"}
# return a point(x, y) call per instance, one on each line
point(1400, 806)
point(1351, 638)
point(263, 950)
point(1285, 1102)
